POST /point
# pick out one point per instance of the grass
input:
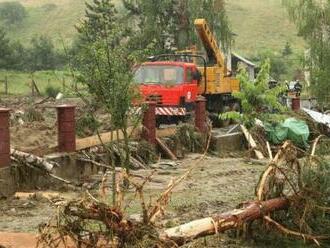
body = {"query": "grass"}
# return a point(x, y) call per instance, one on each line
point(19, 83)
point(260, 25)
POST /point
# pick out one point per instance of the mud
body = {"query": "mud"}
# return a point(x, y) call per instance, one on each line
point(215, 185)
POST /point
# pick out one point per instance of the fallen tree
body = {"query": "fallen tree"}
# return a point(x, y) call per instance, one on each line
point(291, 195)
point(229, 220)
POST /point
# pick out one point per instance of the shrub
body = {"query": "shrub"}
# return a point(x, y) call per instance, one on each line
point(86, 125)
point(12, 12)
point(52, 91)
point(32, 115)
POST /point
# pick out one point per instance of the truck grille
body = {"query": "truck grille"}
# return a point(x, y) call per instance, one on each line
point(155, 98)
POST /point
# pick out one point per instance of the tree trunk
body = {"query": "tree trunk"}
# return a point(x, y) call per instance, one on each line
point(229, 220)
point(32, 159)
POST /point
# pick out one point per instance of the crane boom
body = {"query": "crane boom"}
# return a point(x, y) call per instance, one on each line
point(209, 41)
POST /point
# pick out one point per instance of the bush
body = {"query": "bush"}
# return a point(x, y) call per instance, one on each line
point(32, 115)
point(52, 91)
point(12, 12)
point(86, 125)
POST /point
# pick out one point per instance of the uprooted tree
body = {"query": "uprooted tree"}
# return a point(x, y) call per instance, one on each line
point(292, 198)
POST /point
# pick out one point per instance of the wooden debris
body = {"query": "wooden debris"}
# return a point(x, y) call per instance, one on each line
point(229, 220)
point(32, 159)
point(164, 147)
point(252, 142)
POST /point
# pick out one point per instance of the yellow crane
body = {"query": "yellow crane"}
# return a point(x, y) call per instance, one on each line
point(218, 84)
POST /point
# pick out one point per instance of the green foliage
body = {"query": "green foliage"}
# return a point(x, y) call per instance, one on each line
point(175, 23)
point(287, 50)
point(52, 91)
point(87, 125)
point(258, 101)
point(103, 63)
point(32, 115)
point(5, 49)
point(42, 54)
point(12, 12)
point(312, 18)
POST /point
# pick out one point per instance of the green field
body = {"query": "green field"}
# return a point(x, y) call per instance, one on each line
point(19, 83)
point(259, 25)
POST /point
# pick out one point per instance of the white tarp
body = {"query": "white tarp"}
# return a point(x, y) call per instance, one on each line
point(318, 117)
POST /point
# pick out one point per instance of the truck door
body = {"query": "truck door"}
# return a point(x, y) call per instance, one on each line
point(190, 85)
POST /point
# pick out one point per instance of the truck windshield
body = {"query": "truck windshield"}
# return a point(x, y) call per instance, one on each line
point(158, 74)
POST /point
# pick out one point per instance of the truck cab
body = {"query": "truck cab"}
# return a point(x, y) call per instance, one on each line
point(173, 85)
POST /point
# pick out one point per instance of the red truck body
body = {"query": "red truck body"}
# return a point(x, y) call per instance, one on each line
point(170, 84)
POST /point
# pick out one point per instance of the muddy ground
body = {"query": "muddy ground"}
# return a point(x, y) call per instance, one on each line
point(33, 122)
point(215, 185)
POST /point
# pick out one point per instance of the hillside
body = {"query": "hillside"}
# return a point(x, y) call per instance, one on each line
point(259, 24)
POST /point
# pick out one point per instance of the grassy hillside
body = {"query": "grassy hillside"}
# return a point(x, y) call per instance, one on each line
point(259, 24)
point(54, 18)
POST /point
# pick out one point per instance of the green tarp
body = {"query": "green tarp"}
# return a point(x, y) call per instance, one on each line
point(291, 129)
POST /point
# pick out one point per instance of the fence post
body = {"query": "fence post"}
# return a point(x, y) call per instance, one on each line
point(149, 123)
point(200, 114)
point(4, 138)
point(66, 128)
point(63, 84)
point(295, 104)
point(6, 85)
point(32, 88)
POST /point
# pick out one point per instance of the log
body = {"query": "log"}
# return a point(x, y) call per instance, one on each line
point(32, 159)
point(229, 220)
point(84, 143)
point(164, 147)
point(97, 140)
point(251, 142)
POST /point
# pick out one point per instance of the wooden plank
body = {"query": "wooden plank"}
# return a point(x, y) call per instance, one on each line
point(251, 142)
point(169, 153)
point(91, 141)
point(96, 140)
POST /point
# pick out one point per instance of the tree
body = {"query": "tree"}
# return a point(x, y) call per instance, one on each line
point(165, 26)
point(42, 54)
point(12, 12)
point(312, 18)
point(156, 22)
point(287, 50)
point(278, 64)
point(103, 63)
point(258, 100)
point(5, 49)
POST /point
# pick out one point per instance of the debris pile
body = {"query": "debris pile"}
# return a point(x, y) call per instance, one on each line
point(292, 197)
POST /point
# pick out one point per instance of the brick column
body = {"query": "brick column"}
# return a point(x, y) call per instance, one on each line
point(295, 104)
point(200, 114)
point(149, 123)
point(4, 138)
point(66, 128)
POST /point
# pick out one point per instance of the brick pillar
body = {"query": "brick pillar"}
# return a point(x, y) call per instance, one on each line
point(149, 123)
point(66, 128)
point(4, 138)
point(200, 114)
point(295, 104)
